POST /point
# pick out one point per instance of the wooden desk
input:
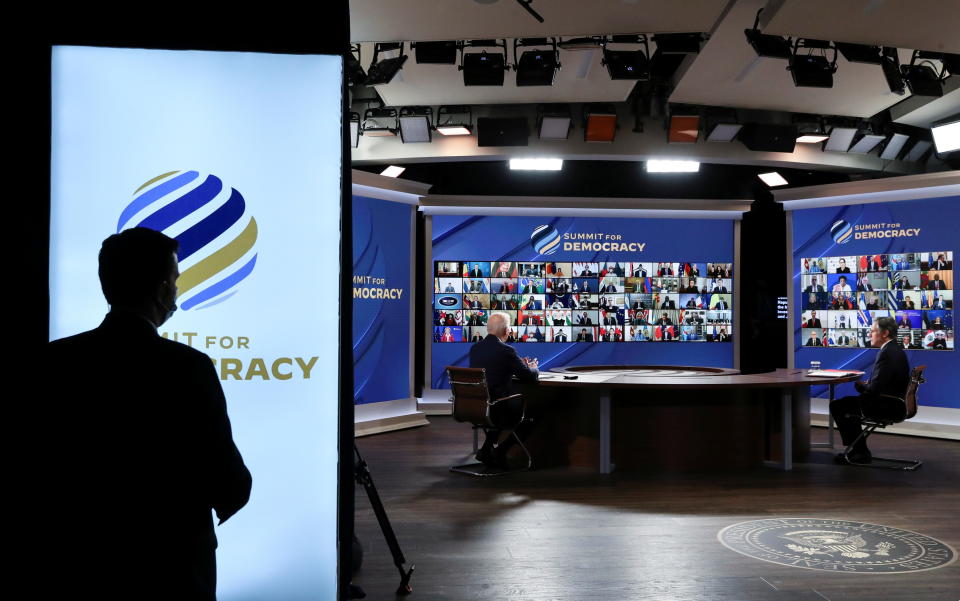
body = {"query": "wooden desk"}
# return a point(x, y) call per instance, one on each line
point(726, 389)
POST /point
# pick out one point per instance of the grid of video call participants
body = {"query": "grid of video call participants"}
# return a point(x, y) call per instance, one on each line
point(584, 302)
point(843, 296)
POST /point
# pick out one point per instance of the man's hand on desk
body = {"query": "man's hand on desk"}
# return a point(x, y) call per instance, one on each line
point(531, 362)
point(861, 385)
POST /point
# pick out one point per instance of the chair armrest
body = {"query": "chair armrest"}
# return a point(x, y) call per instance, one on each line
point(894, 397)
point(506, 398)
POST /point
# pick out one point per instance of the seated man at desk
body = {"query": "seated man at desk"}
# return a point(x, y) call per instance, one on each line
point(889, 376)
point(501, 363)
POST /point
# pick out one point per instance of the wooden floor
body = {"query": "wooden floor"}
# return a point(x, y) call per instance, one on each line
point(574, 535)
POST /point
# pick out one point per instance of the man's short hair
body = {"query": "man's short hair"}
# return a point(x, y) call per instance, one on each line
point(133, 263)
point(494, 318)
point(889, 325)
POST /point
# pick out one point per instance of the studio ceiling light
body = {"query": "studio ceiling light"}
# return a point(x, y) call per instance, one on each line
point(891, 71)
point(536, 67)
point(866, 143)
point(724, 132)
point(627, 64)
point(840, 139)
point(435, 53)
point(894, 145)
point(355, 74)
point(860, 53)
point(354, 130)
point(483, 68)
point(393, 171)
point(455, 120)
point(379, 122)
point(684, 129)
point(536, 164)
point(554, 121)
point(920, 148)
point(671, 166)
point(678, 43)
point(599, 123)
point(947, 135)
point(772, 46)
point(415, 125)
point(922, 78)
point(812, 69)
point(383, 71)
point(773, 179)
point(811, 138)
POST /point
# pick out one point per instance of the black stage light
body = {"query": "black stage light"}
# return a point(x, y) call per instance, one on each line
point(922, 80)
point(383, 71)
point(626, 64)
point(891, 71)
point(455, 120)
point(380, 122)
point(483, 68)
point(511, 131)
point(773, 46)
point(860, 53)
point(355, 73)
point(769, 138)
point(536, 67)
point(436, 53)
point(951, 62)
point(678, 43)
point(812, 70)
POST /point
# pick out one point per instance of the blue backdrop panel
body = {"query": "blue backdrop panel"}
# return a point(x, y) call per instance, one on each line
point(381, 303)
point(930, 225)
point(466, 238)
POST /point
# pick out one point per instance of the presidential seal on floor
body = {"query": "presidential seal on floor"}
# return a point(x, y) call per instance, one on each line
point(837, 545)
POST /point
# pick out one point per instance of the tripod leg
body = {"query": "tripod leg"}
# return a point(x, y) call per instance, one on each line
point(363, 477)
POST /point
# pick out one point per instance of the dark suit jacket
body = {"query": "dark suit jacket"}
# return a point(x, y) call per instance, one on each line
point(812, 323)
point(890, 373)
point(133, 451)
point(502, 363)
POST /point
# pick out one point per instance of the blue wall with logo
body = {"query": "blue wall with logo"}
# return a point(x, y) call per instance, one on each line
point(381, 325)
point(460, 238)
point(937, 220)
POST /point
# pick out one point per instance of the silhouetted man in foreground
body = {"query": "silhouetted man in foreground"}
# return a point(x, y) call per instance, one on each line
point(133, 446)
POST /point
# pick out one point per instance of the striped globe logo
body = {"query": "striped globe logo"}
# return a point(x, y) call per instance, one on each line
point(217, 235)
point(545, 240)
point(841, 231)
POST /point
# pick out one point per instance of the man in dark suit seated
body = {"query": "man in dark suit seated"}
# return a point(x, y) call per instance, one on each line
point(131, 446)
point(813, 340)
point(584, 336)
point(936, 283)
point(813, 322)
point(890, 375)
point(501, 363)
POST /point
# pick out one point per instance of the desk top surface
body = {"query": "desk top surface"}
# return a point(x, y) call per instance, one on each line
point(681, 377)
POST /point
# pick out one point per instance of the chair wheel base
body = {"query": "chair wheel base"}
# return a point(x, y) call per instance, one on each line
point(887, 463)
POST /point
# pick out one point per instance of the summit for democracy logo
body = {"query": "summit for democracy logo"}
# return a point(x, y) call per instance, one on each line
point(210, 221)
point(842, 232)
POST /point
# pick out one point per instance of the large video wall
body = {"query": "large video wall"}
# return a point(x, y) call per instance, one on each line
point(853, 264)
point(582, 291)
point(585, 302)
point(843, 296)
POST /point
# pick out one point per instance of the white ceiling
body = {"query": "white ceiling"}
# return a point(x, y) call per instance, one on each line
point(414, 20)
point(725, 73)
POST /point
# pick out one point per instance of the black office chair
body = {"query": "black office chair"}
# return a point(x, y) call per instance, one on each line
point(870, 424)
point(472, 404)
